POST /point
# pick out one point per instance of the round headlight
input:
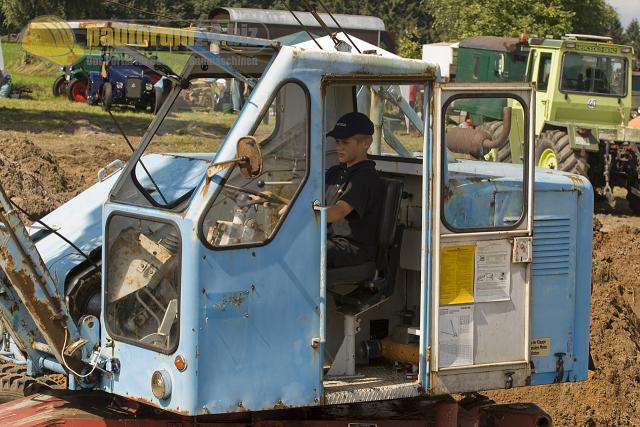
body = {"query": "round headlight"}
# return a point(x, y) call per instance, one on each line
point(161, 384)
point(149, 86)
point(119, 85)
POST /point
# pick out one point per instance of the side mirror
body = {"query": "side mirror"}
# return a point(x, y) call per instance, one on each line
point(248, 158)
point(499, 65)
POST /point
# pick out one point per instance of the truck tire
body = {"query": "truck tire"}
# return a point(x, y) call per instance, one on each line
point(553, 151)
point(16, 384)
point(59, 86)
point(501, 154)
point(634, 203)
point(107, 96)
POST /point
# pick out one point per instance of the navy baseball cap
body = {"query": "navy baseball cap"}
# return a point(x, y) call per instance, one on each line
point(352, 124)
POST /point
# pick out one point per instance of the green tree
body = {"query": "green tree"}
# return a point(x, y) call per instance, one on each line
point(614, 27)
point(458, 19)
point(16, 13)
point(632, 36)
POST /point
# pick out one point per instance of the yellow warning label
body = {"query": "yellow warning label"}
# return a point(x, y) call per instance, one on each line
point(456, 274)
point(540, 347)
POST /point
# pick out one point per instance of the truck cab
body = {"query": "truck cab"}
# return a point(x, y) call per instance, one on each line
point(582, 79)
point(215, 292)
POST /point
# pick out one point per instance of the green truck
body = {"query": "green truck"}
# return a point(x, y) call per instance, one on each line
point(583, 104)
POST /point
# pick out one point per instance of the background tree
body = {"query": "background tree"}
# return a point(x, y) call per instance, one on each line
point(614, 27)
point(459, 19)
point(632, 36)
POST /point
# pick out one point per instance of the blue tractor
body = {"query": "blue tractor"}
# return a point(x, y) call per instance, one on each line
point(122, 82)
point(197, 283)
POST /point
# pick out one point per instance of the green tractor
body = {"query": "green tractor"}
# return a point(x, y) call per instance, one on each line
point(74, 81)
point(583, 104)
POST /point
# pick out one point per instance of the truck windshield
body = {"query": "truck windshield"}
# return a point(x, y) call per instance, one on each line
point(606, 75)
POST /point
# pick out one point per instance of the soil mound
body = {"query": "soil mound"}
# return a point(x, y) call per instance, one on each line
point(31, 176)
point(611, 397)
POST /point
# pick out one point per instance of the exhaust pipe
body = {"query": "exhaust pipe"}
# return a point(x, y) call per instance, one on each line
point(477, 142)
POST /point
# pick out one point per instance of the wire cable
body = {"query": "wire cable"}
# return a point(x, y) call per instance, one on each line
point(73, 245)
point(64, 362)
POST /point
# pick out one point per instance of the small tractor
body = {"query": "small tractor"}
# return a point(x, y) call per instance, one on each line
point(583, 104)
point(74, 81)
point(192, 287)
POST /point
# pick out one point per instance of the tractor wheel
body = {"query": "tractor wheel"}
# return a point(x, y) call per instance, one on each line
point(78, 90)
point(501, 154)
point(553, 151)
point(59, 86)
point(16, 384)
point(107, 96)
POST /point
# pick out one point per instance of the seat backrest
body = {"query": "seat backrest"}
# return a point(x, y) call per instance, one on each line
point(392, 194)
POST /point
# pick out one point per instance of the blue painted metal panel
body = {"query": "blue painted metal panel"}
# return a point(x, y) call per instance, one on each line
point(247, 316)
point(561, 275)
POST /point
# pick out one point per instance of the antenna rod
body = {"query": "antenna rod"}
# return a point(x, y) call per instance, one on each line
point(302, 25)
point(338, 25)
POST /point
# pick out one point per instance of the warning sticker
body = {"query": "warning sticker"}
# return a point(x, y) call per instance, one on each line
point(456, 274)
point(540, 347)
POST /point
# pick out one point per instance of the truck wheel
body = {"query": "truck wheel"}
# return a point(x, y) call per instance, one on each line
point(15, 384)
point(634, 202)
point(59, 86)
point(107, 96)
point(501, 154)
point(553, 151)
point(78, 90)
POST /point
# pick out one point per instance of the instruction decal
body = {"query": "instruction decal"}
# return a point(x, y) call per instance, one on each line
point(455, 336)
point(540, 347)
point(492, 271)
point(456, 274)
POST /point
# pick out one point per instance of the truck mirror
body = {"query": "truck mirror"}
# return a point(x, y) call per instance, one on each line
point(248, 158)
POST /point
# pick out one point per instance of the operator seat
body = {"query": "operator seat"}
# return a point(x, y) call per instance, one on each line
point(375, 280)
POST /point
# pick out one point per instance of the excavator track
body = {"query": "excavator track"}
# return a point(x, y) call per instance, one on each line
point(15, 383)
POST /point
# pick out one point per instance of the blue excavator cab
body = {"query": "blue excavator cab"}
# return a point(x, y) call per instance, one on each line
point(211, 293)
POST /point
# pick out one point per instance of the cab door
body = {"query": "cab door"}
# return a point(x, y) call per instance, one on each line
point(541, 75)
point(481, 247)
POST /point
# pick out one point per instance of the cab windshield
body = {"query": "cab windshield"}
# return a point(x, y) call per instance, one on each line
point(606, 75)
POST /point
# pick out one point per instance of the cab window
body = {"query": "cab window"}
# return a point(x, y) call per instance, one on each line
point(477, 193)
point(544, 70)
point(248, 211)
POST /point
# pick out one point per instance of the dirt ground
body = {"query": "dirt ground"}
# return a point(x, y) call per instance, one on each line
point(43, 169)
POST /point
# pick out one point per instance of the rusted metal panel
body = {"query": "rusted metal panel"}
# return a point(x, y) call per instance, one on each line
point(17, 320)
point(32, 282)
